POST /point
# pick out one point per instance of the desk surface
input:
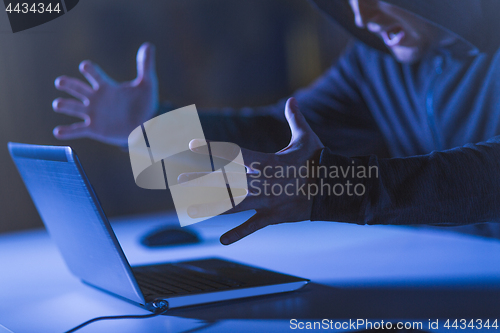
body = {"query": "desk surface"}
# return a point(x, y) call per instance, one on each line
point(382, 272)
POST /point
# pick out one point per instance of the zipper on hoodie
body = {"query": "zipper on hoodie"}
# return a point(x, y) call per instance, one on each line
point(431, 121)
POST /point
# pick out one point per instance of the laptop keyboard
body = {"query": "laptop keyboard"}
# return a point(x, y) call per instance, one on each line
point(173, 279)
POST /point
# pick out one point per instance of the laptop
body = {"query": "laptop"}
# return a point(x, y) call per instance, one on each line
point(4, 329)
point(76, 222)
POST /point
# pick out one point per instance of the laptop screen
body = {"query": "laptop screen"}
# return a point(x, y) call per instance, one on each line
point(74, 218)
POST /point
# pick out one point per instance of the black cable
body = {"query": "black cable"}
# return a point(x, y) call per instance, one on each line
point(160, 312)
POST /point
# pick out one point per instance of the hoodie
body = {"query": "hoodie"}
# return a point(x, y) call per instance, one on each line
point(431, 129)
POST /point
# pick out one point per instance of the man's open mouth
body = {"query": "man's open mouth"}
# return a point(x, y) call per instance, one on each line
point(393, 36)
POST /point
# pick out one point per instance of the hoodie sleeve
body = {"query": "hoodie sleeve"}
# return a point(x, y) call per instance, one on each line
point(332, 105)
point(453, 187)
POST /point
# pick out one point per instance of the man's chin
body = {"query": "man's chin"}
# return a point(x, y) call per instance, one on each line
point(407, 55)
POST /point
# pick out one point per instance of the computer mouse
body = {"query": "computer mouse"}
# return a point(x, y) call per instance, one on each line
point(170, 236)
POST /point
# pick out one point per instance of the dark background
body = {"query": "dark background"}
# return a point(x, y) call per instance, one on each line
point(211, 53)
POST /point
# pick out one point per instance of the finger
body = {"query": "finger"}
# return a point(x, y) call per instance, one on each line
point(228, 151)
point(146, 63)
point(93, 73)
point(191, 177)
point(212, 179)
point(70, 107)
point(73, 131)
point(296, 121)
point(74, 87)
point(218, 208)
point(256, 222)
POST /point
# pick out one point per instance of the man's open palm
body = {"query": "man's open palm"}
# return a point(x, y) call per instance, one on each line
point(110, 110)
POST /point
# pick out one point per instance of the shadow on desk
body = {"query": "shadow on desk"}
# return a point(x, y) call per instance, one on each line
point(317, 301)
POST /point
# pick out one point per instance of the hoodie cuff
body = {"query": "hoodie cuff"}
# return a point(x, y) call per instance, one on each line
point(346, 188)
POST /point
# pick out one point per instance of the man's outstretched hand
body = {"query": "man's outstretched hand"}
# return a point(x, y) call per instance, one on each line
point(276, 197)
point(110, 110)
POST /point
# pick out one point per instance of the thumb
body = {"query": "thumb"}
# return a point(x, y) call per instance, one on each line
point(146, 64)
point(296, 121)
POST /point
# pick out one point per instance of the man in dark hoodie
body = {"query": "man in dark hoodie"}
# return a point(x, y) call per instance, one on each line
point(417, 99)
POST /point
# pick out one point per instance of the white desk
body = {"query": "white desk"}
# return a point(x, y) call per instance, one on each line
point(357, 272)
